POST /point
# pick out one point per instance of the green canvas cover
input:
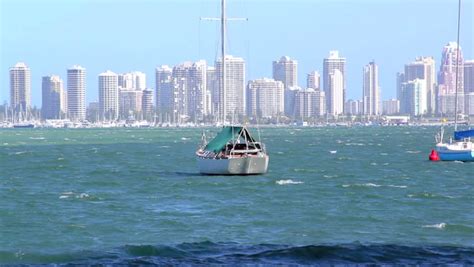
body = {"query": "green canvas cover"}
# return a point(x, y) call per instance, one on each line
point(227, 133)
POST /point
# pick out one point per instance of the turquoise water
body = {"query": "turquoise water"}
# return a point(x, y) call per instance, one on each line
point(115, 195)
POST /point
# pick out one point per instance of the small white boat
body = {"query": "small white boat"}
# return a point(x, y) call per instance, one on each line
point(232, 152)
point(459, 149)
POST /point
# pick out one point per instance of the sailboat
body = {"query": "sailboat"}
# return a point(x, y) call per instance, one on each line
point(462, 147)
point(233, 151)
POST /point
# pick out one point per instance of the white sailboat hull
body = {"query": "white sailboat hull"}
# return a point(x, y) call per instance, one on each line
point(234, 166)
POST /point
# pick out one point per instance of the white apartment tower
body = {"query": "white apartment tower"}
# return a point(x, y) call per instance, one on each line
point(52, 106)
point(371, 90)
point(232, 101)
point(265, 98)
point(414, 100)
point(197, 93)
point(286, 71)
point(76, 93)
point(135, 80)
point(108, 96)
point(424, 68)
point(330, 65)
point(336, 90)
point(313, 80)
point(309, 103)
point(20, 87)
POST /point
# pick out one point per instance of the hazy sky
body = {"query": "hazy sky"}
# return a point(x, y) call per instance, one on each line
point(127, 35)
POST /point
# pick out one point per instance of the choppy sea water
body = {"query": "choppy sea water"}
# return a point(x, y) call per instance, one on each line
point(133, 196)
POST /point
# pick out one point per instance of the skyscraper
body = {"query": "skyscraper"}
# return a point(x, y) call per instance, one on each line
point(313, 80)
point(163, 95)
point(132, 80)
point(309, 103)
point(108, 95)
point(371, 90)
point(52, 106)
point(424, 68)
point(130, 102)
point(400, 81)
point(286, 71)
point(330, 64)
point(76, 93)
point(212, 85)
point(147, 104)
point(197, 93)
point(447, 80)
point(469, 76)
point(336, 90)
point(469, 86)
point(232, 100)
point(265, 98)
point(20, 87)
point(414, 100)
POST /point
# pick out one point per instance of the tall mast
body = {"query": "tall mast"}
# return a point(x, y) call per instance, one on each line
point(223, 88)
point(457, 71)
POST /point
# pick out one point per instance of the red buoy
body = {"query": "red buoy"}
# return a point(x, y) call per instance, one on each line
point(434, 155)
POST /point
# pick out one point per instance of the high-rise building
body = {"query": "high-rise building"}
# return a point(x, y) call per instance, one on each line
point(400, 81)
point(132, 80)
point(353, 107)
point(147, 104)
point(191, 96)
point(391, 107)
point(336, 90)
point(469, 76)
point(330, 65)
point(164, 92)
point(265, 98)
point(212, 84)
point(371, 90)
point(313, 80)
point(414, 100)
point(469, 86)
point(108, 95)
point(290, 94)
point(424, 68)
point(197, 93)
point(232, 99)
point(447, 80)
point(130, 102)
point(309, 103)
point(76, 93)
point(52, 101)
point(20, 87)
point(286, 71)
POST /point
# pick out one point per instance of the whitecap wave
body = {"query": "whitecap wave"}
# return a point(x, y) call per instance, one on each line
point(397, 186)
point(373, 185)
point(437, 226)
point(36, 138)
point(288, 181)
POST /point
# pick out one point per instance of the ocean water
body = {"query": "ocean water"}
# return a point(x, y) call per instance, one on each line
point(133, 196)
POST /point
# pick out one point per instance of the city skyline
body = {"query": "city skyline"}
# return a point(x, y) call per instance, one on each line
point(191, 39)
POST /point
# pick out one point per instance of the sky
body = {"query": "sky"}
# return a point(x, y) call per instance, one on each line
point(127, 35)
